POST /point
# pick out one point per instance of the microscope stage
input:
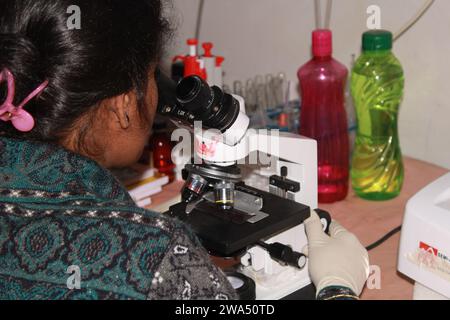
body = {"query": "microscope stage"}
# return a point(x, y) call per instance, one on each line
point(227, 233)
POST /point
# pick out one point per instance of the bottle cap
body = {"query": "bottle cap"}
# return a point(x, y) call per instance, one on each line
point(322, 43)
point(377, 40)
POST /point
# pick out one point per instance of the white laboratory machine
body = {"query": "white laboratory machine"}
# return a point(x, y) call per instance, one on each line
point(424, 254)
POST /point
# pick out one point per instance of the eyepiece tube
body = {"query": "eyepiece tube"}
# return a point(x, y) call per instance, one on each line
point(194, 94)
point(194, 100)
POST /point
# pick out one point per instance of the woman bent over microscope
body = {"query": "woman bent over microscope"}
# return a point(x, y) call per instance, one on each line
point(73, 104)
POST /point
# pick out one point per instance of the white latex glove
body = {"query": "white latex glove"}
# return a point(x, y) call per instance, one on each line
point(335, 260)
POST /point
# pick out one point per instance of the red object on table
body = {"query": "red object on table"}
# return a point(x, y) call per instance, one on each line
point(162, 151)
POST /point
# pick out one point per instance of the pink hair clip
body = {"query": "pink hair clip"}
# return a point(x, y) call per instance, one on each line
point(21, 119)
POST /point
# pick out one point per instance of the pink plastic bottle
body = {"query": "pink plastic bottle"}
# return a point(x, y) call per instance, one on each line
point(323, 116)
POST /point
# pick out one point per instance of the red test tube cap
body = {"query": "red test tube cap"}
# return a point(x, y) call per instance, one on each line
point(207, 46)
point(192, 42)
point(219, 61)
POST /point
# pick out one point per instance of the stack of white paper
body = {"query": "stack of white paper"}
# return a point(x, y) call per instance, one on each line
point(142, 183)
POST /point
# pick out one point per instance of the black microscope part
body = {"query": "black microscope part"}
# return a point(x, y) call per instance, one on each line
point(283, 254)
point(192, 99)
point(194, 94)
point(215, 173)
point(324, 215)
point(209, 104)
point(285, 184)
point(193, 188)
point(284, 172)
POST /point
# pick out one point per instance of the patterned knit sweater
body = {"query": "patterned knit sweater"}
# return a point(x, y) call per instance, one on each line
point(60, 212)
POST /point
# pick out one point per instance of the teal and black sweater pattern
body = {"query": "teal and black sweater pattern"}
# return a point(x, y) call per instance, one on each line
point(60, 212)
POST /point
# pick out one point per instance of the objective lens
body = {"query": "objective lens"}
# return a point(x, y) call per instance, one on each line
point(224, 193)
point(194, 187)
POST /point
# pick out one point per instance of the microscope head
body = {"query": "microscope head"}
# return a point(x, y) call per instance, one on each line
point(218, 122)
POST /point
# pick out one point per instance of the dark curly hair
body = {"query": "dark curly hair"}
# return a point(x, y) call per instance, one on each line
point(110, 55)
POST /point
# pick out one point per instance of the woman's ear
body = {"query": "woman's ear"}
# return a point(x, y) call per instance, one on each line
point(120, 109)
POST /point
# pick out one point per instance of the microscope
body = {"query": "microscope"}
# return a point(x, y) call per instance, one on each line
point(239, 206)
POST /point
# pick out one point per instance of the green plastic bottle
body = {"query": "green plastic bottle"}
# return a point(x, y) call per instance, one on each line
point(377, 88)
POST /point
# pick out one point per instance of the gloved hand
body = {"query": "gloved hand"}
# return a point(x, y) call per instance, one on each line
point(335, 260)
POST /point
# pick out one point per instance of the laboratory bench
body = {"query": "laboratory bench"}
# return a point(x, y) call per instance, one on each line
point(369, 221)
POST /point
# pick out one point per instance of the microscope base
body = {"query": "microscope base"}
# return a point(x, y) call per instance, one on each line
point(290, 284)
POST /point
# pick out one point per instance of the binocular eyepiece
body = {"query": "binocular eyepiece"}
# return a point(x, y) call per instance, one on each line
point(192, 99)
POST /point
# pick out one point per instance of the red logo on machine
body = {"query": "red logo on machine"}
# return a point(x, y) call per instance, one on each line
point(429, 249)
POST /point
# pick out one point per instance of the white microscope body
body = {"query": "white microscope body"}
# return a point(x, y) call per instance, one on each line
point(260, 156)
point(299, 154)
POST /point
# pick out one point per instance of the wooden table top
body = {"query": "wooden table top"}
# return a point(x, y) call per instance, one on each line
point(370, 221)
